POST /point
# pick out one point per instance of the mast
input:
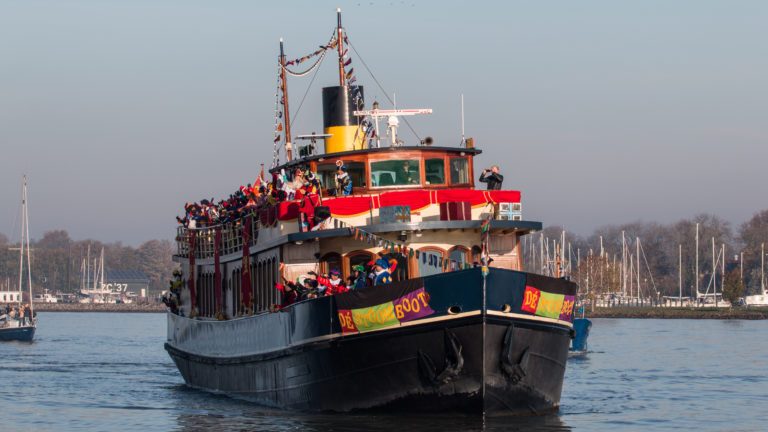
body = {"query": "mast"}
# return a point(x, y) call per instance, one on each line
point(623, 264)
point(286, 111)
point(697, 262)
point(714, 271)
point(463, 138)
point(680, 273)
point(29, 259)
point(762, 268)
point(637, 241)
point(21, 240)
point(340, 47)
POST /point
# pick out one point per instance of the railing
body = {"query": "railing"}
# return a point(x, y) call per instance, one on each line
point(231, 238)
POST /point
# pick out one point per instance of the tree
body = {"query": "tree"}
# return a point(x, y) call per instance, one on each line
point(733, 288)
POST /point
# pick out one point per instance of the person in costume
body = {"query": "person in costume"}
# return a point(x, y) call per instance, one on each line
point(381, 272)
point(343, 181)
point(333, 283)
point(357, 280)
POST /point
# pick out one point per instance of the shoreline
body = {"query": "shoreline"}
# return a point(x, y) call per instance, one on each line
point(648, 312)
point(103, 307)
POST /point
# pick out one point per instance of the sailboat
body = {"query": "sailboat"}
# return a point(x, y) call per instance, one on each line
point(14, 326)
point(762, 298)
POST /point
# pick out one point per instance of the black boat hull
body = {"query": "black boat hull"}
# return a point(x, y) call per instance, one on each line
point(22, 334)
point(477, 351)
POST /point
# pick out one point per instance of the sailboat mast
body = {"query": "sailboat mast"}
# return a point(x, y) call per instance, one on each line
point(762, 268)
point(21, 241)
point(697, 262)
point(340, 47)
point(101, 269)
point(623, 264)
point(680, 273)
point(637, 245)
point(714, 270)
point(286, 111)
point(29, 259)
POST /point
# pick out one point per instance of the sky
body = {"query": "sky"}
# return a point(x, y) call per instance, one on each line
point(600, 112)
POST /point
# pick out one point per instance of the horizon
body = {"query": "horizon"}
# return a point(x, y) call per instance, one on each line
point(600, 113)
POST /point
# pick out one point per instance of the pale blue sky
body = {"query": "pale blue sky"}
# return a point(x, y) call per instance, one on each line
point(599, 111)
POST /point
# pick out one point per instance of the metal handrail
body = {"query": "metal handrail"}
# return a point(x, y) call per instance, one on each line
point(231, 238)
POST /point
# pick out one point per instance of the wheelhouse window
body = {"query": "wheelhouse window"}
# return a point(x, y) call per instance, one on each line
point(434, 171)
point(327, 174)
point(395, 173)
point(459, 171)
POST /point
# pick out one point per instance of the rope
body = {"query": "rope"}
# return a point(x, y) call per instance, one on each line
point(309, 87)
point(386, 94)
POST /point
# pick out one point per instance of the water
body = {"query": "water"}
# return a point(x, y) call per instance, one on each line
point(105, 372)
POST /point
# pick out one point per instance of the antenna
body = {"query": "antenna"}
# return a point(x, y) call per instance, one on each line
point(463, 139)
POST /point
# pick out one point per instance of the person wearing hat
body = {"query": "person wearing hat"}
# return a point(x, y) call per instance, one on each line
point(333, 283)
point(343, 181)
point(381, 272)
point(357, 280)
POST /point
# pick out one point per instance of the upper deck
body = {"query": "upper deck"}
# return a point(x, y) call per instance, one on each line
point(376, 170)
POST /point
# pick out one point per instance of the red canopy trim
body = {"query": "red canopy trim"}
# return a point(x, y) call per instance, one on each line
point(416, 199)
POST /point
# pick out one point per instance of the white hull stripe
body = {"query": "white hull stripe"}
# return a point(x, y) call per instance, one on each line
point(531, 318)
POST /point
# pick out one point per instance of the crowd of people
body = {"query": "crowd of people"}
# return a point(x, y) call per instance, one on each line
point(247, 199)
point(312, 285)
point(22, 313)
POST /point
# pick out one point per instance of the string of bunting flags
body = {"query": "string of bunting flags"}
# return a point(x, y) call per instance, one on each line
point(278, 124)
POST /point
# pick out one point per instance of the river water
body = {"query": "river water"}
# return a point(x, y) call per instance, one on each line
point(100, 371)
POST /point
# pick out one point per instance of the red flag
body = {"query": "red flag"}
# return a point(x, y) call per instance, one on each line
point(245, 273)
point(217, 270)
point(191, 277)
point(259, 181)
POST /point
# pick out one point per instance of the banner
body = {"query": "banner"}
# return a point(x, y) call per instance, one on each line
point(546, 303)
point(389, 305)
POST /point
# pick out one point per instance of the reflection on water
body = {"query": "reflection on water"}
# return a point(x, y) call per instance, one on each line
point(109, 372)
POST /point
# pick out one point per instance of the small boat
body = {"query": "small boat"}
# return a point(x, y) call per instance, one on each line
point(581, 328)
point(12, 326)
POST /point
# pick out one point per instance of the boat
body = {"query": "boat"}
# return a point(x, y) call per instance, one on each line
point(581, 328)
point(12, 326)
point(760, 299)
point(461, 327)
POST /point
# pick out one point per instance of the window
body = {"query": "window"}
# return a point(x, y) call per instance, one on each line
point(459, 171)
point(358, 258)
point(458, 256)
point(327, 174)
point(395, 173)
point(430, 262)
point(434, 171)
point(330, 262)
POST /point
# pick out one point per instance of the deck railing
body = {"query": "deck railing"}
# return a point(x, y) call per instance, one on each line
point(231, 238)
